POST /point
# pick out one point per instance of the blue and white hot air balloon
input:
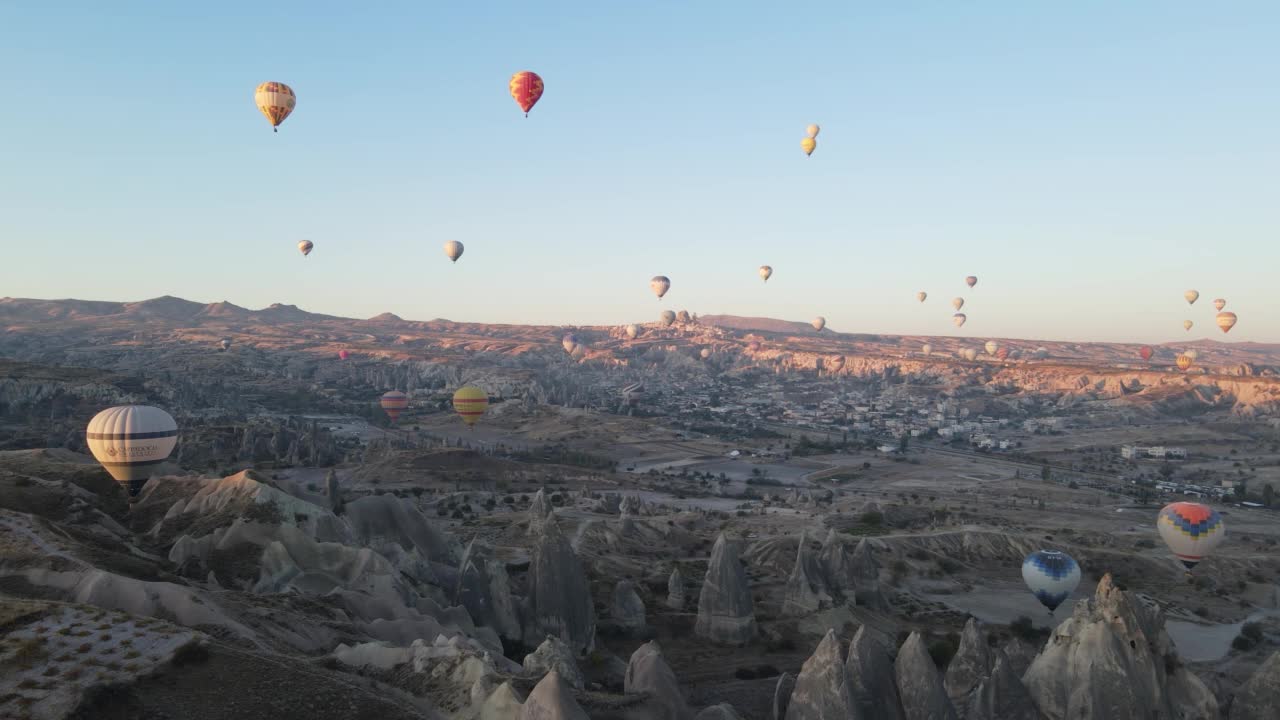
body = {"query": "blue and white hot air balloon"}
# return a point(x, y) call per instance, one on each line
point(1051, 576)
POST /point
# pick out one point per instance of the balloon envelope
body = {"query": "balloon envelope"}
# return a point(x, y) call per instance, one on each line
point(819, 323)
point(305, 246)
point(660, 284)
point(1146, 352)
point(1051, 576)
point(526, 88)
point(453, 250)
point(225, 344)
point(921, 295)
point(470, 403)
point(1186, 324)
point(765, 271)
point(971, 280)
point(1003, 353)
point(957, 303)
point(632, 331)
point(130, 440)
point(812, 130)
point(1191, 531)
point(836, 363)
point(926, 348)
point(1219, 304)
point(393, 403)
point(705, 353)
point(1191, 296)
point(343, 354)
point(275, 100)
point(1226, 321)
point(1183, 362)
point(569, 342)
point(667, 317)
point(991, 347)
point(807, 145)
point(959, 319)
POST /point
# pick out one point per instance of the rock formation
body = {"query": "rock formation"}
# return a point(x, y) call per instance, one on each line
point(1258, 698)
point(725, 611)
point(782, 695)
point(675, 589)
point(559, 600)
point(723, 711)
point(551, 655)
point(649, 673)
point(333, 491)
point(551, 699)
point(871, 678)
point(971, 665)
point(920, 686)
point(1113, 659)
point(483, 589)
point(628, 608)
point(805, 593)
point(539, 510)
point(1002, 696)
point(837, 565)
point(822, 689)
point(502, 704)
point(865, 572)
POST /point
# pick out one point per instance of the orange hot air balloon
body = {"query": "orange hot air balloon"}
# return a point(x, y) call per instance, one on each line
point(1226, 321)
point(394, 402)
point(470, 403)
point(1146, 352)
point(1184, 362)
point(526, 87)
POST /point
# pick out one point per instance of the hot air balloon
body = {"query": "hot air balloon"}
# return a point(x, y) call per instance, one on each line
point(1051, 576)
point(921, 295)
point(970, 354)
point(927, 349)
point(1219, 304)
point(225, 344)
point(276, 100)
point(569, 342)
point(667, 318)
point(130, 440)
point(1191, 296)
point(453, 250)
point(818, 323)
point(1146, 352)
point(1183, 362)
point(971, 280)
point(683, 317)
point(764, 272)
point(1186, 324)
point(959, 319)
point(1003, 353)
point(632, 331)
point(470, 403)
point(343, 354)
point(705, 353)
point(660, 284)
point(1042, 353)
point(305, 246)
point(807, 145)
point(1191, 531)
point(393, 403)
point(632, 394)
point(526, 87)
point(1192, 353)
point(836, 364)
point(812, 130)
point(957, 303)
point(991, 347)
point(1226, 321)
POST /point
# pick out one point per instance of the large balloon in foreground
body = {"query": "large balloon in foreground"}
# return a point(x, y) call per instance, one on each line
point(526, 87)
point(991, 347)
point(1226, 321)
point(1186, 324)
point(1219, 304)
point(130, 440)
point(660, 284)
point(807, 145)
point(971, 280)
point(957, 303)
point(1191, 531)
point(926, 348)
point(275, 100)
point(453, 250)
point(819, 323)
point(1051, 576)
point(1146, 352)
point(959, 319)
point(1183, 362)
point(632, 331)
point(393, 403)
point(305, 247)
point(921, 295)
point(667, 317)
point(1191, 296)
point(764, 272)
point(812, 130)
point(470, 403)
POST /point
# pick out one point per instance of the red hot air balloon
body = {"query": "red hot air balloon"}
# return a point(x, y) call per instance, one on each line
point(343, 354)
point(526, 87)
point(1146, 352)
point(1003, 353)
point(394, 402)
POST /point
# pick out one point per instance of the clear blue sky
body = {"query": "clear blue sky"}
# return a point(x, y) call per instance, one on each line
point(1089, 162)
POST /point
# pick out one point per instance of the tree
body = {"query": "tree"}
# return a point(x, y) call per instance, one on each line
point(903, 442)
point(1268, 495)
point(1045, 473)
point(1241, 490)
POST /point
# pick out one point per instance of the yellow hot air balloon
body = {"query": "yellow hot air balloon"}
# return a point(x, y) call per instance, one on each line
point(130, 440)
point(812, 130)
point(807, 145)
point(1186, 324)
point(393, 403)
point(470, 402)
point(1226, 321)
point(1183, 362)
point(453, 250)
point(276, 100)
point(1191, 296)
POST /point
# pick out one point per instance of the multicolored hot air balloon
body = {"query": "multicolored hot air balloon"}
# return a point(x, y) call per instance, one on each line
point(660, 284)
point(957, 303)
point(275, 100)
point(453, 250)
point(959, 319)
point(1183, 362)
point(926, 348)
point(1051, 576)
point(807, 145)
point(130, 440)
point(812, 130)
point(393, 403)
point(1191, 296)
point(1191, 531)
point(1186, 324)
point(921, 295)
point(991, 347)
point(1226, 321)
point(632, 331)
point(971, 280)
point(1146, 352)
point(1219, 304)
point(764, 272)
point(470, 403)
point(526, 87)
point(343, 354)
point(667, 318)
point(305, 247)
point(818, 323)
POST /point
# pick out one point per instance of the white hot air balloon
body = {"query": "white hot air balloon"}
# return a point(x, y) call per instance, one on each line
point(705, 354)
point(970, 354)
point(991, 347)
point(453, 250)
point(1191, 531)
point(765, 271)
point(957, 303)
point(632, 331)
point(921, 295)
point(959, 319)
point(1051, 576)
point(812, 130)
point(819, 323)
point(927, 349)
point(660, 284)
point(1191, 296)
point(130, 440)
point(1192, 353)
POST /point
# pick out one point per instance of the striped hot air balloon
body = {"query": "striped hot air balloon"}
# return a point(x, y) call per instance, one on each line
point(275, 100)
point(1051, 576)
point(305, 247)
point(1226, 321)
point(1191, 531)
point(470, 402)
point(1002, 353)
point(1183, 361)
point(393, 403)
point(526, 88)
point(130, 440)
